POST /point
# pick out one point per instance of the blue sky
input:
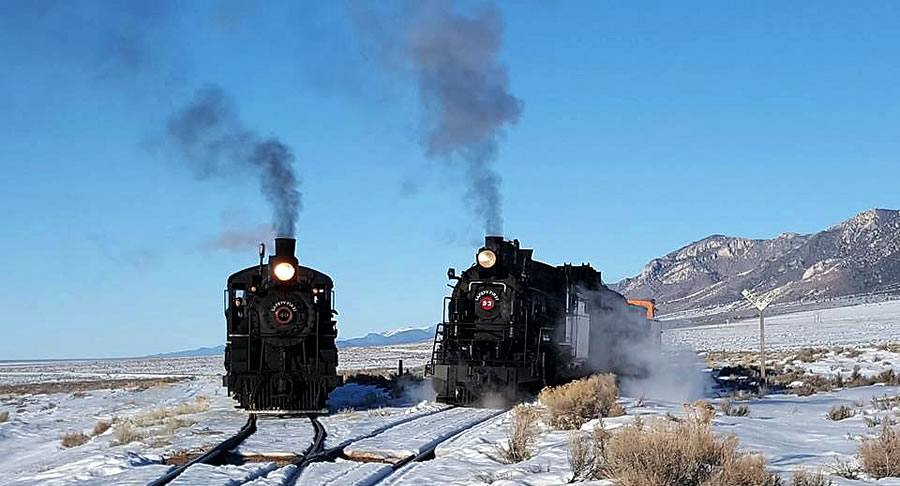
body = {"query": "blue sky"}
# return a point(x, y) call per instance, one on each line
point(644, 127)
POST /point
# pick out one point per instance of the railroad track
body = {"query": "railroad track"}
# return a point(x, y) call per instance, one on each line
point(214, 453)
point(315, 449)
point(222, 449)
point(316, 452)
point(428, 453)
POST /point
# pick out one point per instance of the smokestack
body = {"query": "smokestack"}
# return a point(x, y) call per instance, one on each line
point(285, 247)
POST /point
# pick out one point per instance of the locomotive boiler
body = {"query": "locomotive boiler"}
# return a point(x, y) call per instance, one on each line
point(513, 325)
point(280, 353)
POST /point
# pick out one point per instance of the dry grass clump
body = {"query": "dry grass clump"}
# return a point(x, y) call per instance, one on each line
point(522, 432)
point(82, 386)
point(741, 396)
point(879, 421)
point(880, 457)
point(171, 425)
point(743, 470)
point(4, 416)
point(379, 412)
point(157, 422)
point(127, 433)
point(200, 404)
point(662, 453)
point(846, 470)
point(885, 402)
point(804, 478)
point(840, 413)
point(569, 406)
point(74, 439)
point(492, 477)
point(809, 355)
point(586, 451)
point(100, 428)
point(346, 413)
point(160, 415)
point(892, 347)
point(734, 411)
point(702, 410)
point(887, 377)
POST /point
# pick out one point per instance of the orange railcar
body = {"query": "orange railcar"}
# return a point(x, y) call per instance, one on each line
point(650, 305)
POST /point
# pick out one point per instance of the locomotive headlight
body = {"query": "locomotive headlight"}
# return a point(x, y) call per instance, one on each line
point(284, 271)
point(487, 258)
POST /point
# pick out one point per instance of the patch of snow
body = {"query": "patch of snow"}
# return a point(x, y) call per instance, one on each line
point(278, 437)
point(343, 473)
point(227, 475)
point(411, 438)
point(858, 325)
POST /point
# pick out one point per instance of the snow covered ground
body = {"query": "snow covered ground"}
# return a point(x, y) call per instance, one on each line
point(17, 373)
point(194, 413)
point(858, 325)
point(414, 437)
point(374, 357)
point(353, 358)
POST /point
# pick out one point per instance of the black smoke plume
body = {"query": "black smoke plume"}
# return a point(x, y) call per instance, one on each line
point(463, 88)
point(212, 139)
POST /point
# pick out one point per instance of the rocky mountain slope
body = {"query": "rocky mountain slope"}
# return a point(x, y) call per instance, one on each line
point(859, 256)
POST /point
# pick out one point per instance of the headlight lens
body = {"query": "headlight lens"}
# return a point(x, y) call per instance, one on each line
point(487, 258)
point(284, 271)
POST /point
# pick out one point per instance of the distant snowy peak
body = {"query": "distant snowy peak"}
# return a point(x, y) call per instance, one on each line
point(405, 335)
point(397, 336)
point(860, 255)
point(404, 329)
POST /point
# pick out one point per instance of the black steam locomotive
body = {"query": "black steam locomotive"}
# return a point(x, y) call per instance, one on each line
point(514, 325)
point(280, 354)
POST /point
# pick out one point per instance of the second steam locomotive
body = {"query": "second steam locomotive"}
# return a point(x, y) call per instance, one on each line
point(513, 325)
point(280, 353)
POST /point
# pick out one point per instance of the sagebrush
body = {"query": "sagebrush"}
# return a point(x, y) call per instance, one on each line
point(734, 411)
point(880, 457)
point(805, 478)
point(74, 439)
point(662, 452)
point(523, 431)
point(100, 427)
point(569, 406)
point(158, 422)
point(840, 412)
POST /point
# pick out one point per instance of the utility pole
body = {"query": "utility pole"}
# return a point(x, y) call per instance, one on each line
point(760, 304)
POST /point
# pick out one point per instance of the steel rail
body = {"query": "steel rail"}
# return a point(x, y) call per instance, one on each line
point(430, 449)
point(228, 444)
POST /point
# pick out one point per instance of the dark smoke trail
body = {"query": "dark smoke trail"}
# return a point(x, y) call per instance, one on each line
point(463, 88)
point(210, 137)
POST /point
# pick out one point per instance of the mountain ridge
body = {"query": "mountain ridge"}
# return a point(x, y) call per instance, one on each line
point(406, 335)
point(856, 256)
